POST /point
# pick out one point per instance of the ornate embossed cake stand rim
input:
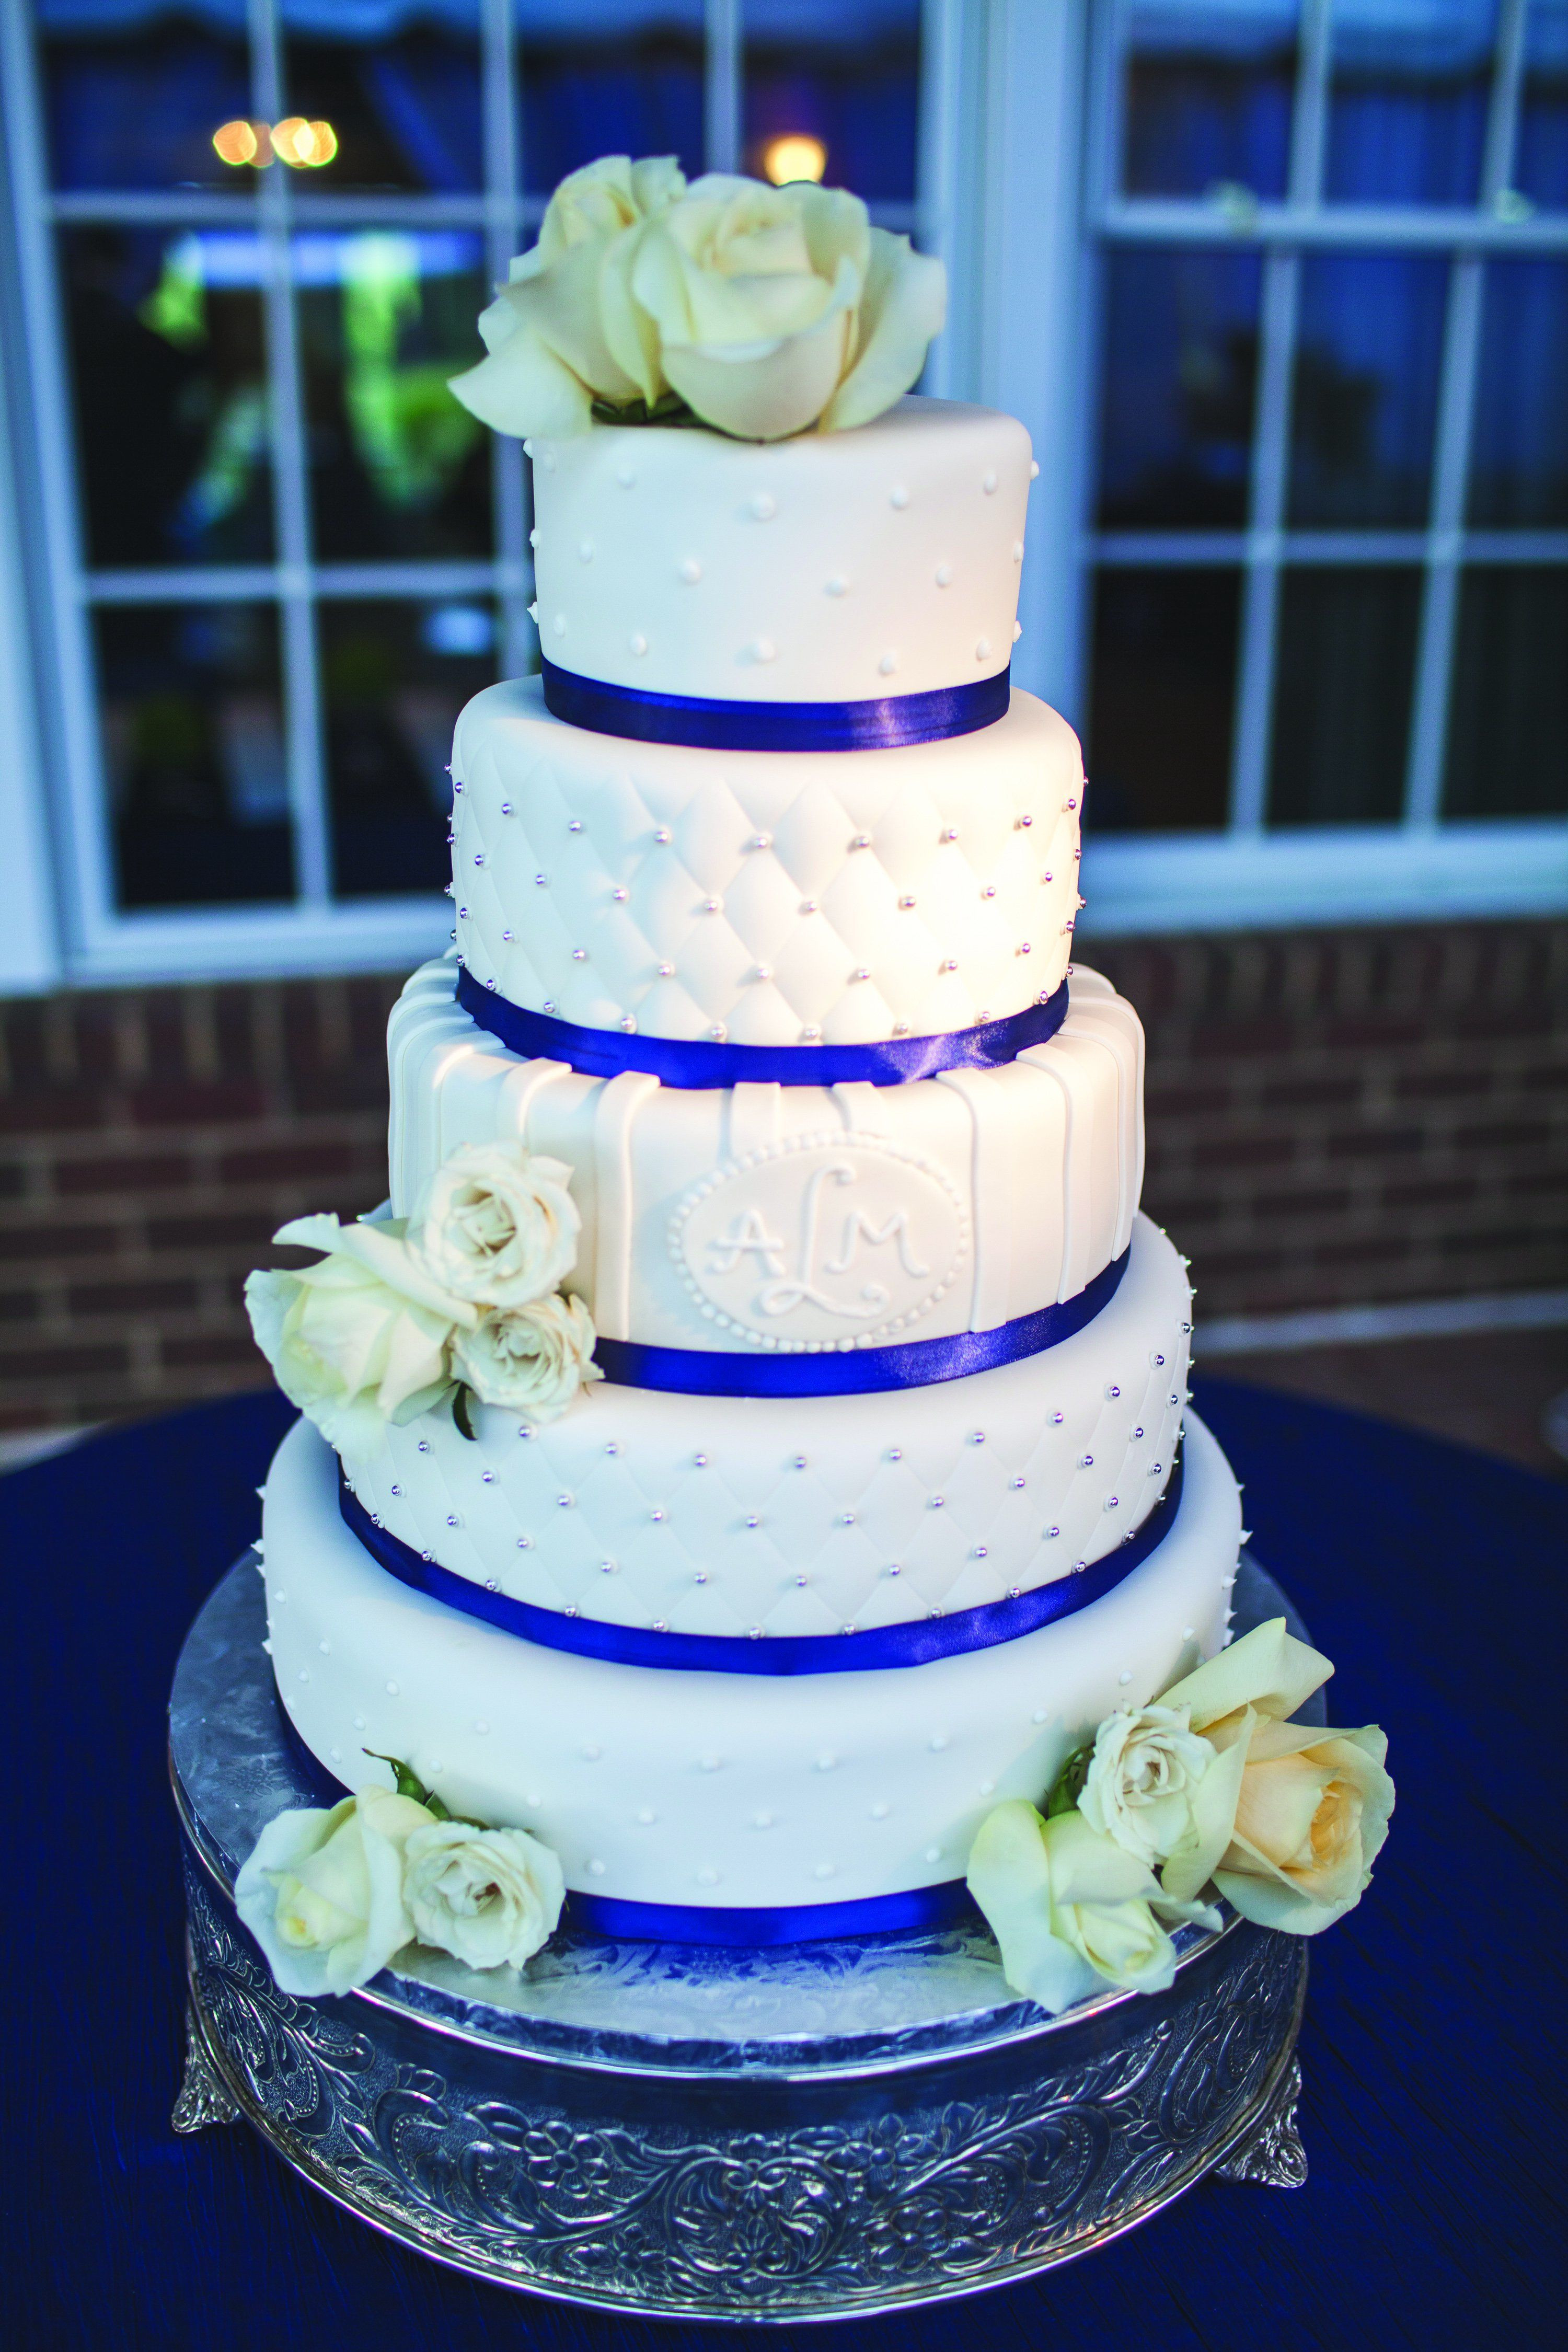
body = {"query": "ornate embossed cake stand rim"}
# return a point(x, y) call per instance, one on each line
point(825, 2131)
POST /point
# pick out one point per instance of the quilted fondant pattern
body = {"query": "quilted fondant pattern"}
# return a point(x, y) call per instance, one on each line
point(772, 899)
point(724, 1517)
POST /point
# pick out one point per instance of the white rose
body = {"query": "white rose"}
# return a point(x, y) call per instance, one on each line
point(1071, 1910)
point(496, 1224)
point(491, 1897)
point(1155, 1786)
point(1312, 1807)
point(323, 1893)
point(765, 310)
point(533, 1359)
point(545, 332)
point(360, 1339)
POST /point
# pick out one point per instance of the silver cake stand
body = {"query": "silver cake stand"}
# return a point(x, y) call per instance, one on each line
point(820, 2132)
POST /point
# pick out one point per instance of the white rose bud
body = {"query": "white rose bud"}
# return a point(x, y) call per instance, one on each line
point(496, 1224)
point(360, 1339)
point(322, 1892)
point(533, 1359)
point(491, 1897)
point(1153, 1784)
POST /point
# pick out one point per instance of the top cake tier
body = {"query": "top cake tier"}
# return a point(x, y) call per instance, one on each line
point(835, 567)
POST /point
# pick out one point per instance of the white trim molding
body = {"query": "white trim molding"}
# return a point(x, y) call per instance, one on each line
point(1408, 1319)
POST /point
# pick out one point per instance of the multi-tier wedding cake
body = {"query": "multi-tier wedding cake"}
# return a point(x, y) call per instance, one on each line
point(749, 1458)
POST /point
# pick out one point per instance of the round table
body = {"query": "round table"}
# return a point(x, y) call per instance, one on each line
point(1430, 2053)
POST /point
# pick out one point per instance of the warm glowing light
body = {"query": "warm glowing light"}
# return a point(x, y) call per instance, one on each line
point(243, 143)
point(795, 156)
point(304, 145)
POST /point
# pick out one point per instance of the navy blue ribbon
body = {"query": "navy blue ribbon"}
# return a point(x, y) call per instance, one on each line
point(702, 1062)
point(855, 1371)
point(877, 725)
point(944, 1906)
point(916, 1643)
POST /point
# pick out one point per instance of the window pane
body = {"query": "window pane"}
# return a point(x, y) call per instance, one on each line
point(398, 81)
point(847, 78)
point(1508, 730)
point(1345, 668)
point(393, 677)
point(397, 468)
point(1519, 464)
point(133, 90)
point(192, 745)
point(608, 77)
point(1208, 97)
point(1176, 387)
point(1407, 112)
point(1163, 699)
point(1369, 347)
point(166, 347)
point(1541, 163)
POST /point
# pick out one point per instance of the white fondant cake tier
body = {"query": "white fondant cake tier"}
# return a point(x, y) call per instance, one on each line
point(666, 1787)
point(772, 898)
point(729, 1515)
point(835, 567)
point(768, 1216)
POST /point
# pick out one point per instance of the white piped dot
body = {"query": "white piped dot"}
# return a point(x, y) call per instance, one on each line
point(837, 585)
point(765, 506)
point(596, 1868)
point(982, 647)
point(889, 664)
point(692, 571)
point(481, 1726)
point(711, 1763)
point(559, 625)
point(708, 1876)
point(823, 1870)
point(1125, 1677)
point(988, 484)
point(585, 551)
point(944, 575)
point(763, 649)
point(647, 1815)
point(637, 642)
point(897, 496)
point(933, 1854)
point(591, 1753)
point(393, 1689)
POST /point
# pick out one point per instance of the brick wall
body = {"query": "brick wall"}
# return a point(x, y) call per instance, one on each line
point(1333, 1116)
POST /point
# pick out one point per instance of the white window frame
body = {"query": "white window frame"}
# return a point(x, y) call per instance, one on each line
point(1017, 192)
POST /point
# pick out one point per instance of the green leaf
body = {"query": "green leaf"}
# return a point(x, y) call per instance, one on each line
point(408, 1783)
point(462, 1411)
point(1069, 1785)
point(669, 409)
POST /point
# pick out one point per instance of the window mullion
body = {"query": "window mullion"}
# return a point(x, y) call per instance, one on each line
point(1502, 115)
point(503, 185)
point(721, 91)
point(290, 493)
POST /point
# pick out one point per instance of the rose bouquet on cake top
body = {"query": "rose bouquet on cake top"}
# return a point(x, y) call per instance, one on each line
point(461, 1299)
point(759, 312)
point(1211, 1786)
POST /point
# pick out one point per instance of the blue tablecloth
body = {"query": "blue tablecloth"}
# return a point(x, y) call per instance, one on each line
point(1432, 2050)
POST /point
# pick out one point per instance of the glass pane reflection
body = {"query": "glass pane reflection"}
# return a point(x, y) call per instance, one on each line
point(1208, 96)
point(1176, 391)
point(1507, 721)
point(1369, 347)
point(1519, 458)
point(1163, 699)
point(847, 77)
point(394, 678)
point(608, 77)
point(1345, 668)
point(1407, 108)
point(397, 468)
point(399, 82)
point(134, 90)
point(1541, 160)
point(168, 365)
point(191, 708)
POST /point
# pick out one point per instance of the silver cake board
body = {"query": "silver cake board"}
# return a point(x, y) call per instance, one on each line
point(819, 2131)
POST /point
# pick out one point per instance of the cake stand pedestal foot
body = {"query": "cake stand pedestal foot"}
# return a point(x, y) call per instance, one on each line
point(1272, 2154)
point(203, 2098)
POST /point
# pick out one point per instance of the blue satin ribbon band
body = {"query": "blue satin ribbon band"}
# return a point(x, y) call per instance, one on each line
point(945, 1905)
point(855, 1371)
point(880, 724)
point(696, 1062)
point(918, 1643)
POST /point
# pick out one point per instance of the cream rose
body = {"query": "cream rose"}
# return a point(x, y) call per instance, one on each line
point(491, 1897)
point(1312, 1806)
point(1071, 1910)
point(533, 1359)
point(764, 309)
point(496, 1224)
point(322, 1892)
point(1154, 1785)
point(358, 1340)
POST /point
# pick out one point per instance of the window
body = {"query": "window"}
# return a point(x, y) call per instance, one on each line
point(274, 557)
point(1328, 529)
